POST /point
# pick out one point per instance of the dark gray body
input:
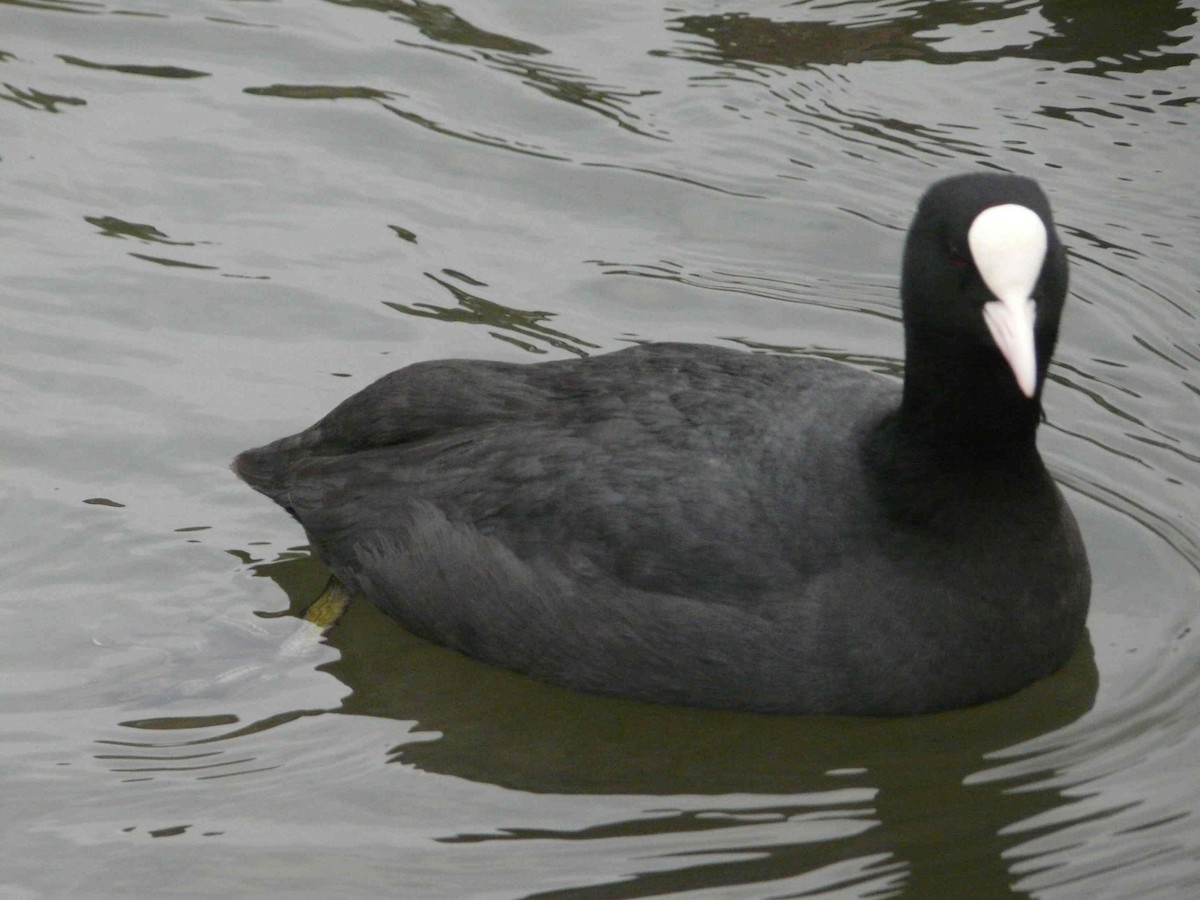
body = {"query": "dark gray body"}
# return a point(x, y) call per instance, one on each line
point(688, 524)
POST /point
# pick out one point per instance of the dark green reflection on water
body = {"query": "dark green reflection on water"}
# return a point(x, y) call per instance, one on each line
point(440, 23)
point(886, 797)
point(449, 32)
point(515, 326)
point(135, 69)
point(1101, 38)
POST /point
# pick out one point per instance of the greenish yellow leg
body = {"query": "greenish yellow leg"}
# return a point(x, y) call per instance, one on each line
point(329, 607)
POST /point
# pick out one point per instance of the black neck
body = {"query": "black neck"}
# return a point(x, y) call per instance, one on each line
point(964, 434)
point(962, 407)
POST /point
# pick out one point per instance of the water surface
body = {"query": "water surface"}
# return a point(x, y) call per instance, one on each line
point(219, 218)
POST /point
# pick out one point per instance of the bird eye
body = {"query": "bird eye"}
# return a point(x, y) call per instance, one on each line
point(957, 256)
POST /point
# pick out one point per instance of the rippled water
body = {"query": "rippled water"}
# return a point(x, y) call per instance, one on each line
point(218, 218)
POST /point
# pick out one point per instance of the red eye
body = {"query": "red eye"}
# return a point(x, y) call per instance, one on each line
point(957, 257)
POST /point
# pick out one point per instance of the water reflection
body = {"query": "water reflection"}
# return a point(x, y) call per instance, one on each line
point(873, 799)
point(1102, 37)
point(69, 6)
point(517, 326)
point(135, 69)
point(32, 98)
point(443, 25)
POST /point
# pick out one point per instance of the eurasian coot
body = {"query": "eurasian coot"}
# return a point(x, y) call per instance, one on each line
point(698, 525)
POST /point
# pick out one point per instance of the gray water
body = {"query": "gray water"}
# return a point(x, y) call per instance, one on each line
point(219, 218)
